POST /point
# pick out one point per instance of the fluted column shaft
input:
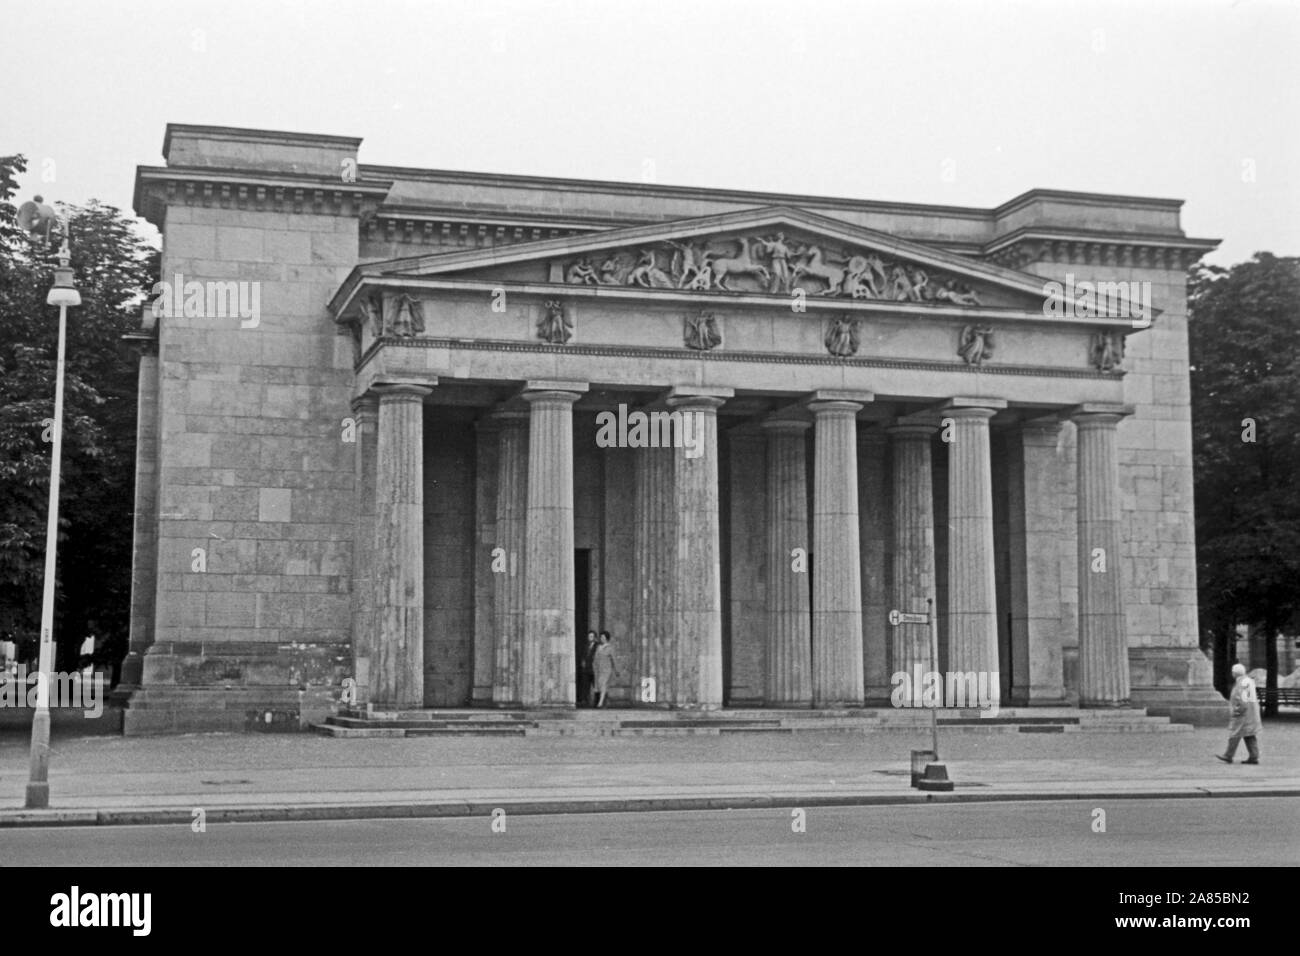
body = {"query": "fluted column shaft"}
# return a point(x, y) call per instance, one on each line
point(365, 411)
point(972, 599)
point(913, 563)
point(654, 543)
point(397, 663)
point(789, 608)
point(1103, 637)
point(547, 673)
point(837, 582)
point(508, 585)
point(697, 680)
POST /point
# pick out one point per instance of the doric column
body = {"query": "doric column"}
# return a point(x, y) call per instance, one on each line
point(548, 667)
point(913, 578)
point(1103, 637)
point(697, 678)
point(1034, 513)
point(789, 609)
point(837, 573)
point(397, 656)
point(654, 544)
point(511, 538)
point(365, 415)
point(972, 598)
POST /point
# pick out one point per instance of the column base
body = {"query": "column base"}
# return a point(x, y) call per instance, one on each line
point(1178, 683)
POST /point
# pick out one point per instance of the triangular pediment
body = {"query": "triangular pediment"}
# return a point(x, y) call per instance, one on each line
point(777, 251)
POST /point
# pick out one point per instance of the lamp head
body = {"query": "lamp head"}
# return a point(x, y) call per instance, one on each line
point(64, 291)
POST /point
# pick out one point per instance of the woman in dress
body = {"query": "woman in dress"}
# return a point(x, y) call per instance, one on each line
point(604, 666)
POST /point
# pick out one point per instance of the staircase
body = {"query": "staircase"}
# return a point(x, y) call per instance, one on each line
point(654, 723)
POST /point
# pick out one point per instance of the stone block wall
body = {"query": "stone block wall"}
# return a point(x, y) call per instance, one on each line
point(254, 505)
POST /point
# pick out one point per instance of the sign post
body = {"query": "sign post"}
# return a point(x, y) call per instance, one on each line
point(935, 775)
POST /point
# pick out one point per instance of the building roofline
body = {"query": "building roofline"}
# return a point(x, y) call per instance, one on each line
point(240, 134)
point(757, 197)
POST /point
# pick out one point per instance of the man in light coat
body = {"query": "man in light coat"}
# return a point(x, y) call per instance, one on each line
point(1244, 720)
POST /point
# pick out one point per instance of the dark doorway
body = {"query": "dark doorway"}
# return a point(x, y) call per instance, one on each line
point(581, 620)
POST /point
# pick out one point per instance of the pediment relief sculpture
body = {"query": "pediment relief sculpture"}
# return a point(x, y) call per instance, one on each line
point(773, 264)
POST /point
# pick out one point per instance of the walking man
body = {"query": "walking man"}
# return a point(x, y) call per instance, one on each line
point(1244, 720)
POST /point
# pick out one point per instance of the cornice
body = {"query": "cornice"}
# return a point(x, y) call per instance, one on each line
point(158, 187)
point(1085, 199)
point(1077, 246)
point(460, 230)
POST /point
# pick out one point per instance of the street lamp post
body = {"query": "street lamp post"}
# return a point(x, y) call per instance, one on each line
point(63, 294)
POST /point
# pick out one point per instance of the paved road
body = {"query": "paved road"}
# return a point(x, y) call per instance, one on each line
point(1138, 833)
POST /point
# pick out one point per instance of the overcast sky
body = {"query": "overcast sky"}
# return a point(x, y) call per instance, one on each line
point(955, 101)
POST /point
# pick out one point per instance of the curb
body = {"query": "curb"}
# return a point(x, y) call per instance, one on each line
point(289, 813)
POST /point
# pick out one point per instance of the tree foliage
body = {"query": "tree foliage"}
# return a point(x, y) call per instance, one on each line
point(1244, 329)
point(113, 269)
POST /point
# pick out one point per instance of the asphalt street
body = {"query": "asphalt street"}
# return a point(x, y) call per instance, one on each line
point(1172, 832)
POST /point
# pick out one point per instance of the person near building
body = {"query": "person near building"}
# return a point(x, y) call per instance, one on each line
point(1244, 720)
point(586, 684)
point(604, 666)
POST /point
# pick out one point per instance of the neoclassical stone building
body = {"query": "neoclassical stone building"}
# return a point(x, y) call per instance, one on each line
point(395, 463)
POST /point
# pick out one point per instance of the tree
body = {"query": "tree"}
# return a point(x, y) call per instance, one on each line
point(113, 271)
point(1244, 329)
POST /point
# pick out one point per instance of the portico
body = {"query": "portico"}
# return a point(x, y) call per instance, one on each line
point(734, 566)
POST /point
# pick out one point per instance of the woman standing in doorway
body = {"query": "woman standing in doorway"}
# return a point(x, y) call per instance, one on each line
point(586, 683)
point(604, 666)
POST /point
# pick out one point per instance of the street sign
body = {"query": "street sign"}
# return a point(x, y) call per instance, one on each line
point(897, 617)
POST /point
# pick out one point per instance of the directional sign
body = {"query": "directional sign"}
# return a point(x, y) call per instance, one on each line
point(897, 617)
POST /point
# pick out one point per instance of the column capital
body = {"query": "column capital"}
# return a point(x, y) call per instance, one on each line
point(404, 387)
point(785, 425)
point(555, 385)
point(697, 396)
point(971, 407)
point(1105, 414)
point(834, 409)
point(837, 400)
point(366, 404)
point(841, 395)
point(914, 430)
point(504, 418)
point(551, 397)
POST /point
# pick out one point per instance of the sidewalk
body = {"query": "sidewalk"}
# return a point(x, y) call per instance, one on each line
point(114, 780)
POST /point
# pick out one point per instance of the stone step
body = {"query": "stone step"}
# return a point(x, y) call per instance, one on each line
point(648, 722)
point(435, 722)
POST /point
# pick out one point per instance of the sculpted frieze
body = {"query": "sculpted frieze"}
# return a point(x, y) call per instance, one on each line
point(773, 264)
